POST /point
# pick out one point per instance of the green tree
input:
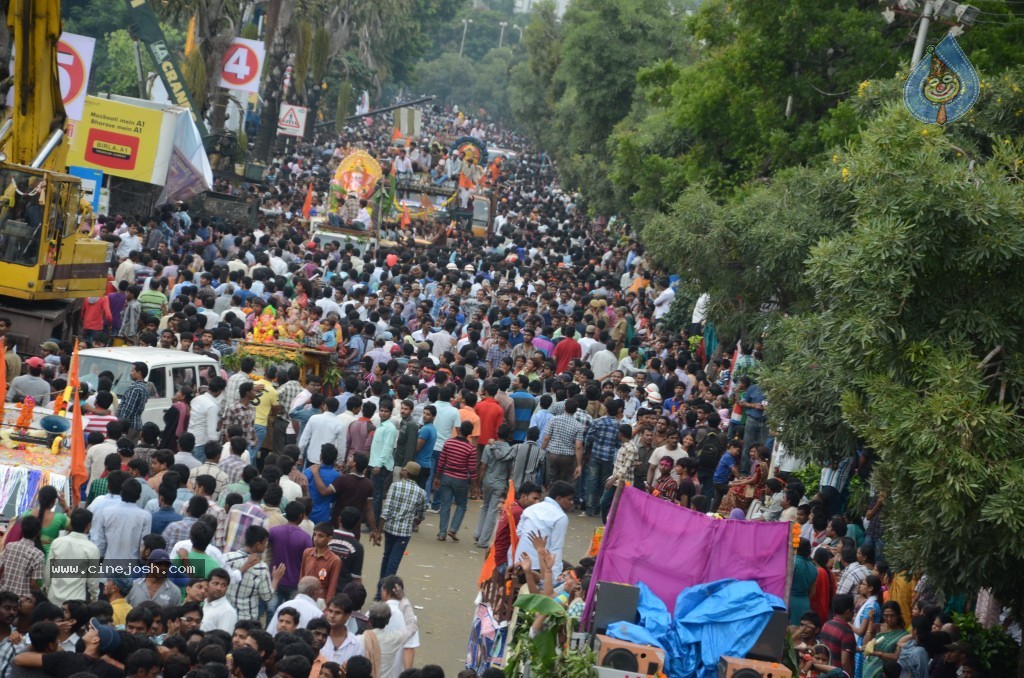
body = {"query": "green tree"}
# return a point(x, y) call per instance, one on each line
point(910, 341)
point(116, 73)
point(480, 86)
point(448, 77)
point(531, 94)
point(767, 77)
point(589, 88)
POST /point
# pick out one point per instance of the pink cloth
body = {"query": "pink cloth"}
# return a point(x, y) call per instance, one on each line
point(671, 548)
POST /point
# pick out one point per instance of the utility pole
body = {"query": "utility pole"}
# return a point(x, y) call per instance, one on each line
point(465, 25)
point(948, 12)
point(518, 28)
point(922, 31)
point(501, 36)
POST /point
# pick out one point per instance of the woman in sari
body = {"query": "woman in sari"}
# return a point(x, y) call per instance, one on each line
point(745, 490)
point(821, 601)
point(176, 418)
point(51, 521)
point(805, 575)
point(884, 646)
point(867, 616)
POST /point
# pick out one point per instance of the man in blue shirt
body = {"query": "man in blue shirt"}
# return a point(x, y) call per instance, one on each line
point(524, 404)
point(166, 514)
point(728, 470)
point(425, 441)
point(755, 430)
point(323, 503)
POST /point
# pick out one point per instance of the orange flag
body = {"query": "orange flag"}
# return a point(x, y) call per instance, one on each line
point(3, 376)
point(405, 219)
point(425, 202)
point(78, 472)
point(397, 134)
point(307, 206)
point(491, 561)
point(464, 181)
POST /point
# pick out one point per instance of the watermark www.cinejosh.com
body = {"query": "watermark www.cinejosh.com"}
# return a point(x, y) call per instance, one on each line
point(69, 568)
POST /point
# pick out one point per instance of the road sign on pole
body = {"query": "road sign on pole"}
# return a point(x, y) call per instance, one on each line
point(292, 120)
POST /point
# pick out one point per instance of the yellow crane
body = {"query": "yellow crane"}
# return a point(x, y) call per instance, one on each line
point(44, 253)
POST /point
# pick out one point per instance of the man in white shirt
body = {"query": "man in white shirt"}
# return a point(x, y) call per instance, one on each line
point(277, 264)
point(663, 302)
point(321, 429)
point(602, 361)
point(304, 603)
point(204, 418)
point(549, 519)
point(74, 546)
point(403, 166)
point(442, 339)
point(130, 242)
point(218, 613)
point(328, 304)
point(341, 644)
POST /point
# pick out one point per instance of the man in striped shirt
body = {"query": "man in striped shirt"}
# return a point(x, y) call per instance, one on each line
point(455, 469)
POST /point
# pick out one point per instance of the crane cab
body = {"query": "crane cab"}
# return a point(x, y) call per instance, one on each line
point(43, 254)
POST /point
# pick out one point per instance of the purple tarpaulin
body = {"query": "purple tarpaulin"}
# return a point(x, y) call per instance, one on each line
point(671, 548)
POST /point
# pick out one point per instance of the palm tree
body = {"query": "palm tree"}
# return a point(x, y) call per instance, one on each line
point(216, 25)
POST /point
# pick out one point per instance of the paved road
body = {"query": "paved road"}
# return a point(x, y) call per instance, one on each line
point(440, 580)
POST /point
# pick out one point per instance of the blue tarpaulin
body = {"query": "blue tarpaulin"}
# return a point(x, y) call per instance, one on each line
point(724, 617)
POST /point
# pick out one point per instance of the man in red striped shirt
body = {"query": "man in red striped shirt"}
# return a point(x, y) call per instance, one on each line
point(456, 467)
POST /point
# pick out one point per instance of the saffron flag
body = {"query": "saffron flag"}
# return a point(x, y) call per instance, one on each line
point(405, 219)
point(3, 376)
point(491, 561)
point(307, 206)
point(464, 182)
point(78, 472)
point(426, 203)
point(397, 135)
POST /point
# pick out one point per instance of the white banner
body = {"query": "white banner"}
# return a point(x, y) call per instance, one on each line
point(74, 64)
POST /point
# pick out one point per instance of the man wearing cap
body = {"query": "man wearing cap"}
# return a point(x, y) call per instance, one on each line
point(155, 586)
point(100, 641)
point(114, 590)
point(31, 384)
point(404, 507)
point(50, 353)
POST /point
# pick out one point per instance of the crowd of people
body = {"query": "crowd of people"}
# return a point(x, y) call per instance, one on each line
point(543, 354)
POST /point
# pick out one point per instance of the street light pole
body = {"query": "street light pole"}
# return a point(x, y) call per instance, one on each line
point(922, 31)
point(515, 26)
point(501, 36)
point(465, 25)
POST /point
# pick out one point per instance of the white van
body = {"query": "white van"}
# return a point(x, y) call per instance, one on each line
point(168, 371)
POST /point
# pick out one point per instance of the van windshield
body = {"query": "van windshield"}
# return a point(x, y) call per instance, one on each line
point(91, 367)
